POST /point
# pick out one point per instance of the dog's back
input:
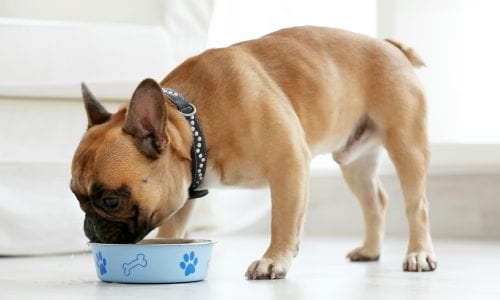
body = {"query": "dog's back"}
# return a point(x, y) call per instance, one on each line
point(328, 79)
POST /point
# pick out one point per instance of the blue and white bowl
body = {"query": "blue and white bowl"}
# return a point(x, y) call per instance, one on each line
point(153, 261)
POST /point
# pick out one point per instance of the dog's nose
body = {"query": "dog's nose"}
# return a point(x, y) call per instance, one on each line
point(89, 229)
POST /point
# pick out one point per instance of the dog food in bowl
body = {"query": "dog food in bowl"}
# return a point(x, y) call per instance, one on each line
point(153, 261)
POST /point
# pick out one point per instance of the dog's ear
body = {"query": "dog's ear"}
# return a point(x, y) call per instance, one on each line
point(96, 113)
point(145, 119)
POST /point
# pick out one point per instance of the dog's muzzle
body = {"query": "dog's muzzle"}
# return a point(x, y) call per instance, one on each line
point(100, 230)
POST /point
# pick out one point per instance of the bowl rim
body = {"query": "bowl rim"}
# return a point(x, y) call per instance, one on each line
point(161, 242)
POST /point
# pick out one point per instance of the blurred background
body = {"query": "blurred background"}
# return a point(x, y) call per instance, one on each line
point(48, 47)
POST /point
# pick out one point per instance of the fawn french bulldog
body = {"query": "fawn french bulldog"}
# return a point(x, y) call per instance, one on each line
point(254, 114)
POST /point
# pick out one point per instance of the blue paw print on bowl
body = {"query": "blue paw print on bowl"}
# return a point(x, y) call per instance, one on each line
point(101, 263)
point(189, 263)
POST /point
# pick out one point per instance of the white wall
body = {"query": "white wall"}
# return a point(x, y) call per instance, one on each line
point(458, 40)
point(94, 11)
point(236, 21)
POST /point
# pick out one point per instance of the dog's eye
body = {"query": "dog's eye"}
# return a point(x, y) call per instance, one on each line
point(111, 202)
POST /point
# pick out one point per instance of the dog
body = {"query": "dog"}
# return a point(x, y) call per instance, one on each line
point(264, 108)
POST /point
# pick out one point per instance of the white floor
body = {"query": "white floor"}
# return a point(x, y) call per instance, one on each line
point(467, 270)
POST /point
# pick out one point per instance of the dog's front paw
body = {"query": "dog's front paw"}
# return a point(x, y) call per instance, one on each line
point(266, 268)
point(364, 254)
point(420, 261)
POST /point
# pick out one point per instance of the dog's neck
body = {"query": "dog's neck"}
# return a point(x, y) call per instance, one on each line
point(197, 148)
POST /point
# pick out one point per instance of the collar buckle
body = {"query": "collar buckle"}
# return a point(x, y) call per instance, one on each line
point(185, 110)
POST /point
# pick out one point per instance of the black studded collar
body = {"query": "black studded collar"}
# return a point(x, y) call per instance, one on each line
point(198, 149)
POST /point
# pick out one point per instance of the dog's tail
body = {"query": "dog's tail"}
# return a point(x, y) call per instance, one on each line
point(412, 56)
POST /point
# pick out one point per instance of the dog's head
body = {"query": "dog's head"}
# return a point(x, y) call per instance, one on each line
point(130, 171)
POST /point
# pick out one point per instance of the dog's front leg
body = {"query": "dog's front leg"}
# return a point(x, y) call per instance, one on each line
point(289, 189)
point(175, 226)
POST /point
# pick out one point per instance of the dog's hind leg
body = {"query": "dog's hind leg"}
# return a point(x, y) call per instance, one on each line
point(361, 177)
point(408, 148)
point(406, 141)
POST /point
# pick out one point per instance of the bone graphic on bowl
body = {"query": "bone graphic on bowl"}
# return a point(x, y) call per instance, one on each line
point(140, 260)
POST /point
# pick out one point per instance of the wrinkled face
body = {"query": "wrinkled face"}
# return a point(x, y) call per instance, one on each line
point(124, 176)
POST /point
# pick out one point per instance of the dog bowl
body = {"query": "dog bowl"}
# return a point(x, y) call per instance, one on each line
point(153, 261)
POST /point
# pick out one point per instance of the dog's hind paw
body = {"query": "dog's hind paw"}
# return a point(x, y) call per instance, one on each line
point(420, 262)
